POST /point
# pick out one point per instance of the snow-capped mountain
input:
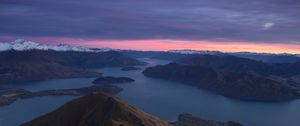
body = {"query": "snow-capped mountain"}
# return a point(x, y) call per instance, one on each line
point(22, 45)
point(187, 51)
point(264, 57)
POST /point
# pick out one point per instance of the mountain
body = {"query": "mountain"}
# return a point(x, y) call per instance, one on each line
point(190, 120)
point(174, 55)
point(23, 45)
point(36, 65)
point(269, 58)
point(112, 80)
point(89, 57)
point(235, 64)
point(141, 54)
point(236, 85)
point(263, 57)
point(188, 51)
point(163, 55)
point(32, 65)
point(97, 110)
point(9, 96)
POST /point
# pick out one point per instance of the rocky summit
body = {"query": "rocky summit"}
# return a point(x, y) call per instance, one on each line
point(97, 109)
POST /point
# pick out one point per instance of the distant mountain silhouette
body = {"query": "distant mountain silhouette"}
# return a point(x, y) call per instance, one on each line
point(174, 55)
point(31, 65)
point(269, 58)
point(242, 65)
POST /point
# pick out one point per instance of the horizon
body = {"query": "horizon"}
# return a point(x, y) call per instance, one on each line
point(168, 62)
point(264, 26)
point(167, 45)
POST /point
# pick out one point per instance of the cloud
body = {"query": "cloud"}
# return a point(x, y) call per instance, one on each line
point(156, 19)
point(268, 25)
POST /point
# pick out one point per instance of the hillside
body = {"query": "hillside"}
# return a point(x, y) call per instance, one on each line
point(97, 110)
point(240, 86)
point(32, 65)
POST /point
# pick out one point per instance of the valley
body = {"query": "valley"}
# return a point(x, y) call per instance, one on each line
point(145, 93)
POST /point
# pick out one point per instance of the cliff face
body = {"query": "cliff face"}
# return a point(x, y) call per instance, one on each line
point(97, 110)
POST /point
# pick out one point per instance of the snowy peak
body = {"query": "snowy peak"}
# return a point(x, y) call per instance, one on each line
point(187, 51)
point(264, 57)
point(23, 45)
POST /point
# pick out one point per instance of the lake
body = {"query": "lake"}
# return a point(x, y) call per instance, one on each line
point(161, 98)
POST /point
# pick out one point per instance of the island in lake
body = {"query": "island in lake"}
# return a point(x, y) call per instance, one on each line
point(102, 84)
point(112, 80)
point(11, 95)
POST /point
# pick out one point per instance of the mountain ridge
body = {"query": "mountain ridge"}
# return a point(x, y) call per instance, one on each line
point(101, 109)
point(97, 109)
point(234, 85)
point(32, 65)
point(23, 45)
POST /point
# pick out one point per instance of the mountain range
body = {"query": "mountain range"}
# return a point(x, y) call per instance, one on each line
point(23, 45)
point(235, 64)
point(236, 85)
point(233, 76)
point(174, 55)
point(25, 62)
point(264, 57)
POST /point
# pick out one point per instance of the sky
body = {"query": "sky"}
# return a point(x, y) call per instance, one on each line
point(225, 25)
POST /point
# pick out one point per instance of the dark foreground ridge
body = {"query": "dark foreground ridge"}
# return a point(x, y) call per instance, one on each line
point(240, 86)
point(112, 80)
point(9, 96)
point(100, 109)
point(97, 110)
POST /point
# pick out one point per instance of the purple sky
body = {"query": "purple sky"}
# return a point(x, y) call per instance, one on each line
point(255, 21)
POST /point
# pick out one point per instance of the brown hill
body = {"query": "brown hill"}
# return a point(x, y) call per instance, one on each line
point(97, 110)
point(240, 86)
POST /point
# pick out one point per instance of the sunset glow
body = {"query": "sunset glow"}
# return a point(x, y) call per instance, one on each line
point(162, 45)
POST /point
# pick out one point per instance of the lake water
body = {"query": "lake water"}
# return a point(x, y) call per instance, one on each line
point(161, 98)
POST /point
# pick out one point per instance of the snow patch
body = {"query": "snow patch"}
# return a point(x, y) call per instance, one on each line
point(187, 51)
point(23, 45)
